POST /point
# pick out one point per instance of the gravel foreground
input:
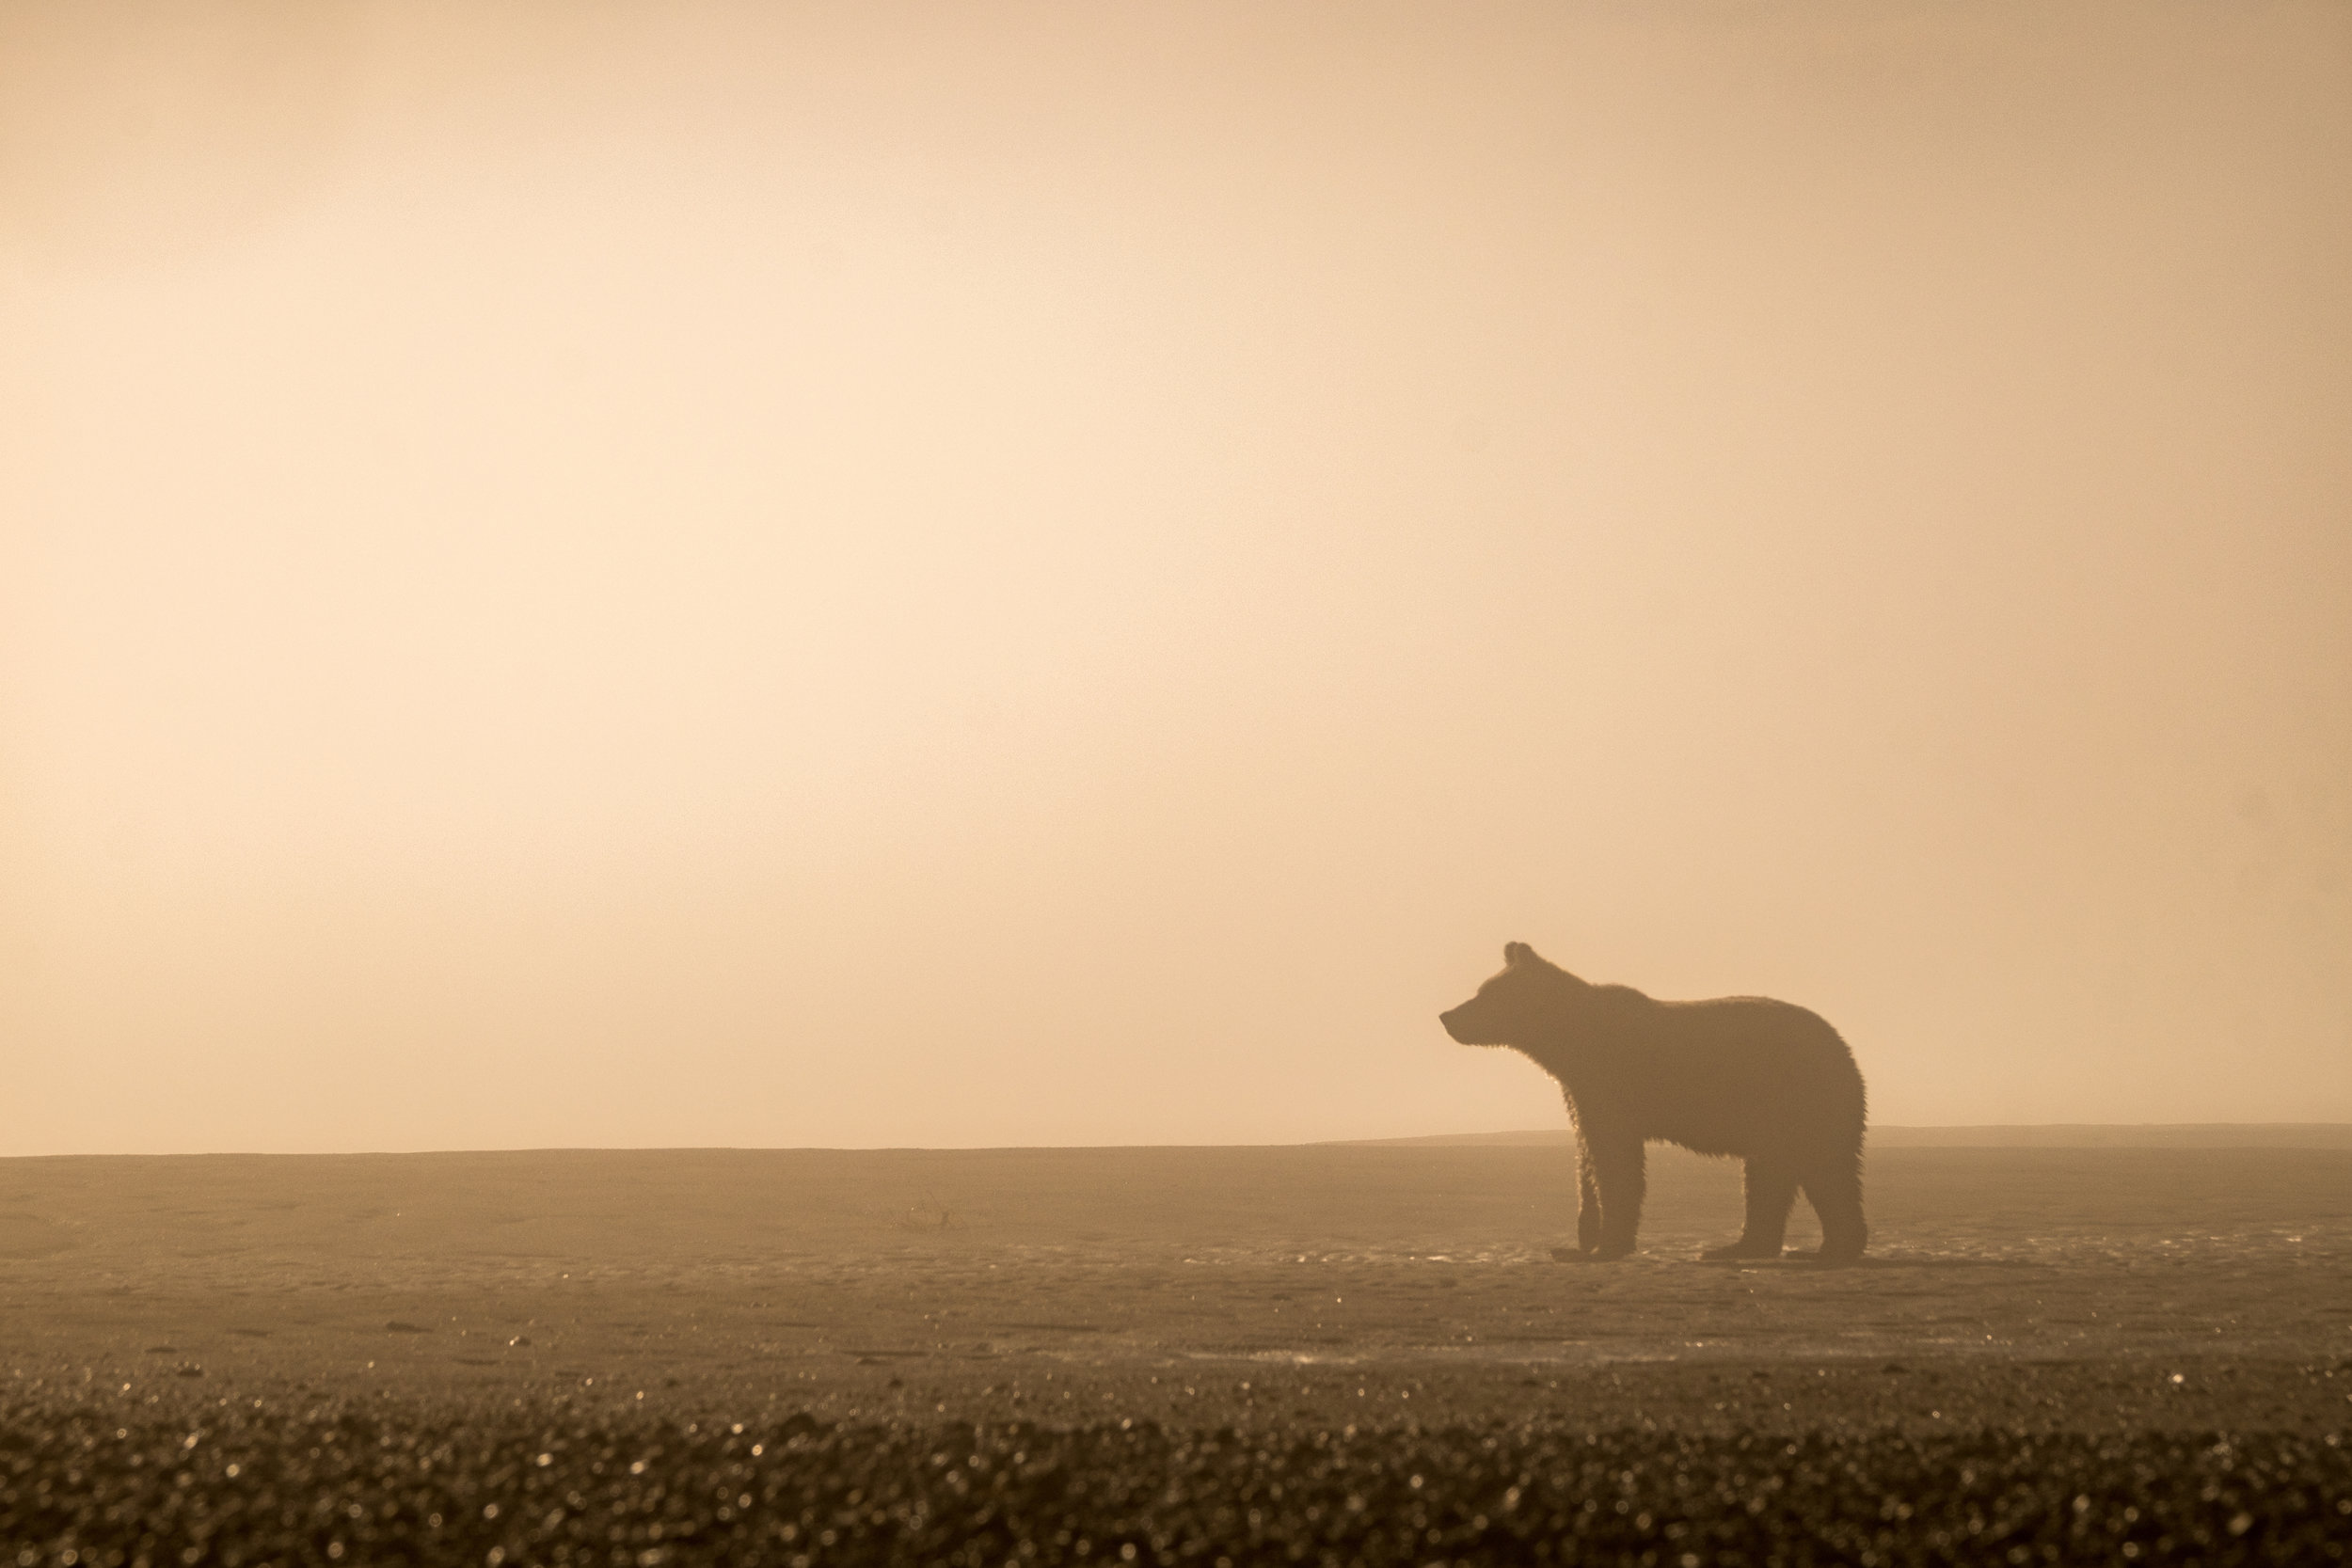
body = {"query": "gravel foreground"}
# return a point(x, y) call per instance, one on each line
point(541, 1483)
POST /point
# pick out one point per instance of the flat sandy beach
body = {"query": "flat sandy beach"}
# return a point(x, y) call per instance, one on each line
point(873, 1279)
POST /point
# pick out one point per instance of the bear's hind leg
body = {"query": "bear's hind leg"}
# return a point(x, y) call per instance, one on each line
point(1772, 1192)
point(1836, 1196)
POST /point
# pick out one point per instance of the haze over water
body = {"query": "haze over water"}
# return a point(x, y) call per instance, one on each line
point(1069, 574)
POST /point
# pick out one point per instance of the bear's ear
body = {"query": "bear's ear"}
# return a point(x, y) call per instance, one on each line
point(1516, 953)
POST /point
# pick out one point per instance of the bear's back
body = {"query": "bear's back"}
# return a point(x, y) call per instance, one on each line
point(1726, 1075)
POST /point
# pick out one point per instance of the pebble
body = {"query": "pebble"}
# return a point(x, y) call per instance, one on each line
point(348, 1480)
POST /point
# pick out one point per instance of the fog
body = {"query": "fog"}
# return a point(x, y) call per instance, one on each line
point(1069, 574)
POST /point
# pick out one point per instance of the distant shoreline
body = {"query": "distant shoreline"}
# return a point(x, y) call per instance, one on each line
point(2076, 1136)
point(2216, 1135)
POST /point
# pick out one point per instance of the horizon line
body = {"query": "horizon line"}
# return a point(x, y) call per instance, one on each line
point(1915, 1134)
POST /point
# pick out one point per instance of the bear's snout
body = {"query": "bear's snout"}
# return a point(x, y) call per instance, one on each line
point(1454, 1024)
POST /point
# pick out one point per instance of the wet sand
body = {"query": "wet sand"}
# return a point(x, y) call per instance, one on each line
point(787, 1263)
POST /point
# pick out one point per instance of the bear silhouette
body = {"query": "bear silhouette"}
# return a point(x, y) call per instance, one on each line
point(1764, 1081)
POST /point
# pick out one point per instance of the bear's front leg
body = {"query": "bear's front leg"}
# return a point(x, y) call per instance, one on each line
point(1617, 1161)
point(1587, 1208)
point(1587, 1200)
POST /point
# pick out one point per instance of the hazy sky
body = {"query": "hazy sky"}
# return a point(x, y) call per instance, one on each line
point(867, 574)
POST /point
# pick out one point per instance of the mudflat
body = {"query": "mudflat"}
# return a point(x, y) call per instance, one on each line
point(1332, 1293)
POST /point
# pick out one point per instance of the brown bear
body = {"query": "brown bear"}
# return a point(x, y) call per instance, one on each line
point(1741, 1075)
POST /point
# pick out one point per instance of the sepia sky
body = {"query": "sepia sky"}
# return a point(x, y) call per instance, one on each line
point(915, 574)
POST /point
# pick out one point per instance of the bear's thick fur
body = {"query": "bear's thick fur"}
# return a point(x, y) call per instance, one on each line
point(1741, 1075)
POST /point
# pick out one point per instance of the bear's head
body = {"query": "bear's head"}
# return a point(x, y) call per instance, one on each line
point(1520, 1007)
